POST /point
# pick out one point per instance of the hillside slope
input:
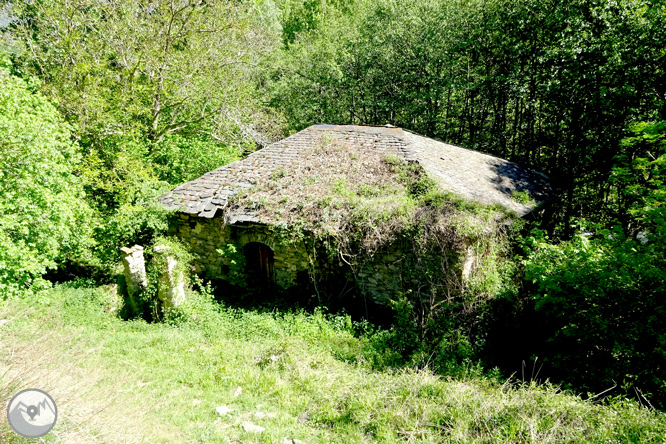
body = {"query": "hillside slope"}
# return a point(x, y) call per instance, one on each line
point(298, 376)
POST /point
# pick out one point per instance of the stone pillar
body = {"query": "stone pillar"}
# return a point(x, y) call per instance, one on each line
point(171, 282)
point(469, 262)
point(135, 273)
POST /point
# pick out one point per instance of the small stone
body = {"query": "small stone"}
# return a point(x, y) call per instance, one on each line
point(291, 441)
point(237, 391)
point(303, 417)
point(3, 322)
point(249, 427)
point(259, 415)
point(223, 410)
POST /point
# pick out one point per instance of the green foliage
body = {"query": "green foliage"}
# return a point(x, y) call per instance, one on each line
point(340, 187)
point(138, 220)
point(174, 247)
point(603, 290)
point(417, 181)
point(122, 69)
point(291, 363)
point(522, 197)
point(43, 217)
point(150, 103)
point(199, 311)
point(180, 158)
point(639, 176)
point(404, 334)
point(234, 259)
point(603, 297)
point(549, 84)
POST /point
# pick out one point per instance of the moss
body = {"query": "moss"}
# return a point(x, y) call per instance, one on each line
point(522, 197)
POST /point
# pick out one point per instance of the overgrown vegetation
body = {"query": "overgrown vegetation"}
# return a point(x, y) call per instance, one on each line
point(354, 207)
point(552, 84)
point(152, 95)
point(311, 376)
point(601, 293)
point(42, 214)
point(105, 105)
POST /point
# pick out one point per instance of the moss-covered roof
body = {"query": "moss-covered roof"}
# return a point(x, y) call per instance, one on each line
point(469, 174)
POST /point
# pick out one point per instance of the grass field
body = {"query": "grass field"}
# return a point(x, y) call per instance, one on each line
point(299, 376)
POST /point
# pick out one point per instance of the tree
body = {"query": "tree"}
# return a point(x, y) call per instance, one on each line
point(157, 93)
point(603, 292)
point(152, 68)
point(42, 213)
point(550, 84)
point(135, 78)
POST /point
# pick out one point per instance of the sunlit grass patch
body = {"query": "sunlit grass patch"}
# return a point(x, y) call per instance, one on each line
point(301, 375)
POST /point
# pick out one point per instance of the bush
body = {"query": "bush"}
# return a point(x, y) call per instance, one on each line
point(137, 220)
point(604, 301)
point(182, 158)
point(43, 217)
point(602, 293)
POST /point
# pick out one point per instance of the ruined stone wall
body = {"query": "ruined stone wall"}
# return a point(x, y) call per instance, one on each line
point(397, 269)
point(379, 278)
point(206, 236)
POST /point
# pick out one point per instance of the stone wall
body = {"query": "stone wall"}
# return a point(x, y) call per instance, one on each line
point(397, 269)
point(393, 270)
point(206, 236)
point(379, 277)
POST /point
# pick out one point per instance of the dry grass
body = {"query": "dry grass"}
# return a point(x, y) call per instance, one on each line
point(93, 406)
point(334, 187)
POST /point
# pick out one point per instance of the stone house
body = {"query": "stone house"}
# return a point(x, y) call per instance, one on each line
point(225, 236)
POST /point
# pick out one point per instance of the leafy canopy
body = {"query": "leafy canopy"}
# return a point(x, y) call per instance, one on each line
point(42, 214)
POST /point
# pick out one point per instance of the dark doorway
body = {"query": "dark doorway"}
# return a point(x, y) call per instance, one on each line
point(259, 261)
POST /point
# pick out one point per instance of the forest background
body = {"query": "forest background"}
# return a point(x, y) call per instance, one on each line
point(105, 105)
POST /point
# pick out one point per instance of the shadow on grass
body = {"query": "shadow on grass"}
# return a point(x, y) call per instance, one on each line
point(336, 296)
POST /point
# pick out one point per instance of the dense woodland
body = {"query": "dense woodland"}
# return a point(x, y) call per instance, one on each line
point(105, 105)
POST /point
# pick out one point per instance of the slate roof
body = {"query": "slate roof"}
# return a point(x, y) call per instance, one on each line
point(469, 174)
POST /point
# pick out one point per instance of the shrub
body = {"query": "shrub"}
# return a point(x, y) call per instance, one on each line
point(43, 217)
point(604, 301)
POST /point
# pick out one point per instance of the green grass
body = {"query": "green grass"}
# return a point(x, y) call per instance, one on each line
point(522, 197)
point(165, 380)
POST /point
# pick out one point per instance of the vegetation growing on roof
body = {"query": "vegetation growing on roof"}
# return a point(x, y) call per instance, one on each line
point(360, 203)
point(337, 188)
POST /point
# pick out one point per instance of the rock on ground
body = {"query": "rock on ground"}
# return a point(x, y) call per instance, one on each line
point(249, 427)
